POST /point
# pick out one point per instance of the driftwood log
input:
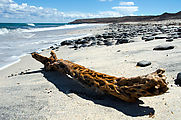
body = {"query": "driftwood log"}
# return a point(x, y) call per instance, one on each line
point(126, 89)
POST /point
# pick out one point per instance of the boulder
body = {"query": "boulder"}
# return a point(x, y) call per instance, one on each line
point(108, 43)
point(121, 41)
point(66, 42)
point(143, 63)
point(169, 40)
point(149, 38)
point(160, 37)
point(163, 47)
point(81, 41)
point(178, 80)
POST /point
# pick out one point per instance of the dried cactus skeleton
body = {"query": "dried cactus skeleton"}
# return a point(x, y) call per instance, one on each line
point(126, 89)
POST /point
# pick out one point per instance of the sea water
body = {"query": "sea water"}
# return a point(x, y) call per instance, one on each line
point(18, 39)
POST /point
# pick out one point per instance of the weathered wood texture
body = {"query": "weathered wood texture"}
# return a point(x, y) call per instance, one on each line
point(126, 89)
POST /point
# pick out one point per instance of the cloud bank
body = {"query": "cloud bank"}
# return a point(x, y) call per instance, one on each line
point(126, 8)
point(10, 11)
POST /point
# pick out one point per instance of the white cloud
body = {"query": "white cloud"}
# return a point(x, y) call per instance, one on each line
point(27, 13)
point(126, 9)
point(13, 12)
point(126, 3)
point(10, 11)
point(6, 1)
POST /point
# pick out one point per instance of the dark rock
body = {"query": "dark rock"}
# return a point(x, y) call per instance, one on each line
point(66, 42)
point(149, 38)
point(93, 44)
point(108, 43)
point(143, 63)
point(51, 47)
point(100, 43)
point(163, 47)
point(81, 41)
point(169, 40)
point(83, 45)
point(160, 37)
point(75, 46)
point(106, 36)
point(154, 34)
point(98, 36)
point(21, 73)
point(178, 33)
point(179, 30)
point(178, 80)
point(92, 38)
point(175, 36)
point(121, 41)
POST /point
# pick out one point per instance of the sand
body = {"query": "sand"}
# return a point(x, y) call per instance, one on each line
point(32, 93)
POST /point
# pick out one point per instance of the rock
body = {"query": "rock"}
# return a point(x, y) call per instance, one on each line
point(51, 47)
point(179, 29)
point(21, 73)
point(108, 43)
point(93, 44)
point(169, 40)
point(66, 42)
point(55, 48)
point(178, 33)
point(149, 38)
point(178, 80)
point(121, 41)
point(98, 36)
point(75, 46)
point(105, 36)
point(160, 37)
point(83, 45)
point(100, 43)
point(163, 47)
point(175, 36)
point(81, 41)
point(143, 63)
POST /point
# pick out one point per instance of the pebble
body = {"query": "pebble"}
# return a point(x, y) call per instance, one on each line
point(143, 63)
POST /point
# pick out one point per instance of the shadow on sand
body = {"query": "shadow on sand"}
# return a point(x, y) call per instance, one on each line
point(67, 86)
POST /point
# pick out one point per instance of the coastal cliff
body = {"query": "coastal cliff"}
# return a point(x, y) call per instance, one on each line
point(164, 16)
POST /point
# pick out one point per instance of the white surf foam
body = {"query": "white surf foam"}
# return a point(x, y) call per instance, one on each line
point(31, 24)
point(58, 28)
point(14, 59)
point(3, 31)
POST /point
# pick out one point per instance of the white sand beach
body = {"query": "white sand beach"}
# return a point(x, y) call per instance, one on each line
point(29, 92)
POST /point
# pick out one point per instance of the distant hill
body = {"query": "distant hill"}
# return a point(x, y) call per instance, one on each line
point(164, 16)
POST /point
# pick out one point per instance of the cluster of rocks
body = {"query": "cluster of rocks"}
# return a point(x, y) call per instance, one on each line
point(167, 32)
point(117, 34)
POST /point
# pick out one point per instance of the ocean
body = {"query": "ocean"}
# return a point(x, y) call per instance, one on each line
point(19, 39)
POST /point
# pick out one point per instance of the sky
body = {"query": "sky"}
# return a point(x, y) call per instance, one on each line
point(62, 11)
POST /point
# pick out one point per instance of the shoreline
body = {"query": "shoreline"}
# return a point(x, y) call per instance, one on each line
point(32, 93)
point(84, 33)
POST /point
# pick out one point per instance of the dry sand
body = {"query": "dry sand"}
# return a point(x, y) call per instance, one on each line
point(49, 95)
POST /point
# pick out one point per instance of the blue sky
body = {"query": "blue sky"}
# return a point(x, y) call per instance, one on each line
point(68, 10)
